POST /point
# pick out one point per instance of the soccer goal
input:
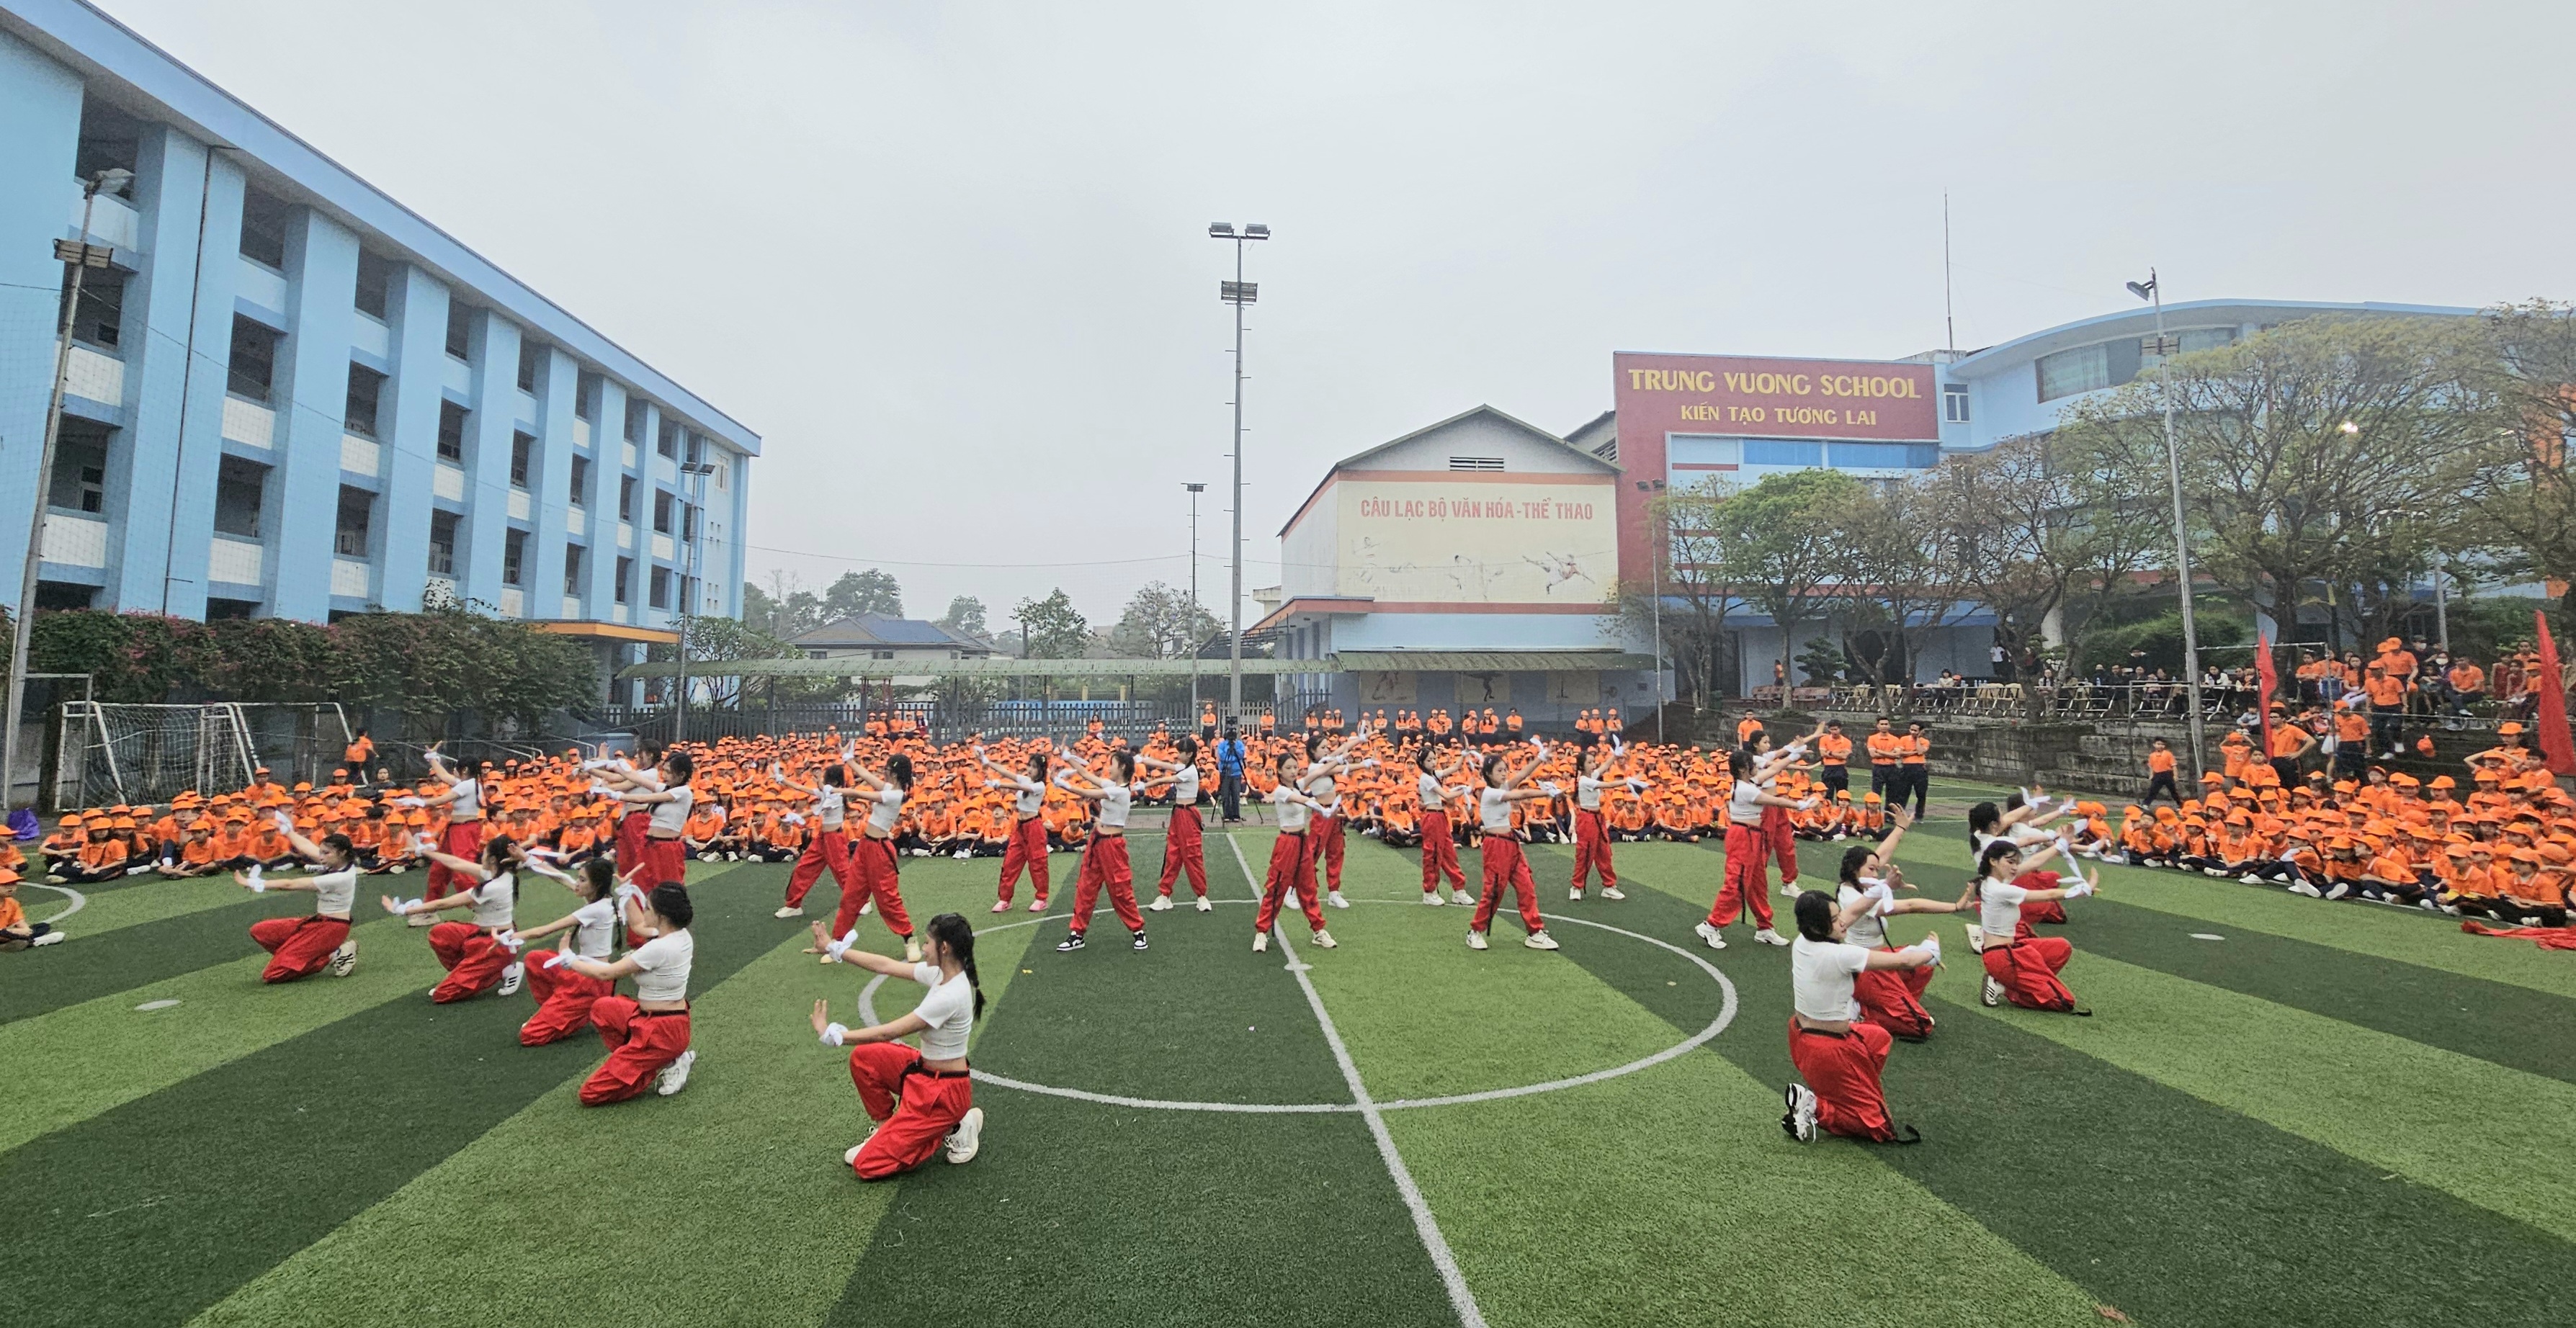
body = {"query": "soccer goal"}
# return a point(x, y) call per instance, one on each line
point(114, 753)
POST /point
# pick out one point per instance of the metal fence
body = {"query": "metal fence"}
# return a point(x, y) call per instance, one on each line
point(943, 721)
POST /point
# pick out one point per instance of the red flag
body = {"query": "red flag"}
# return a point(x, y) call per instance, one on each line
point(2551, 687)
point(2271, 679)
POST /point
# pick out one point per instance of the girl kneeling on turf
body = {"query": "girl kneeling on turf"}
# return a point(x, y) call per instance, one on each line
point(921, 1100)
point(303, 947)
point(647, 1035)
point(1838, 1054)
point(1892, 997)
point(477, 955)
point(2021, 968)
point(563, 997)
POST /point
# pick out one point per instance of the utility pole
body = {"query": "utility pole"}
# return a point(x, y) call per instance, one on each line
point(697, 470)
point(82, 257)
point(1195, 491)
point(2153, 291)
point(1238, 293)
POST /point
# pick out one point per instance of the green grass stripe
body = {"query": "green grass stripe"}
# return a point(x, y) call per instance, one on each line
point(93, 965)
point(1080, 1213)
point(750, 1154)
point(1658, 1197)
point(2401, 1106)
point(2167, 1206)
point(75, 1062)
point(211, 1181)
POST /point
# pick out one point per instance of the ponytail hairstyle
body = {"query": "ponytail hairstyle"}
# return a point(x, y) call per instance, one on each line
point(1492, 770)
point(501, 854)
point(952, 932)
point(670, 902)
point(339, 846)
point(600, 875)
point(1995, 852)
point(681, 766)
point(1314, 745)
point(1815, 910)
point(834, 776)
point(1038, 765)
point(1124, 762)
point(1855, 858)
point(1982, 820)
point(899, 769)
point(1423, 756)
point(1188, 748)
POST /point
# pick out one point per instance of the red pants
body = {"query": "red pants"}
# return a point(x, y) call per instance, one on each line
point(1747, 885)
point(1504, 866)
point(639, 1042)
point(461, 839)
point(1290, 869)
point(664, 860)
point(1184, 850)
point(1843, 1069)
point(1027, 848)
point(2028, 970)
point(1592, 849)
point(1104, 863)
point(630, 842)
point(1892, 998)
point(827, 849)
point(302, 946)
point(563, 997)
point(472, 958)
point(1780, 842)
point(1324, 840)
point(914, 1109)
point(872, 860)
point(2040, 910)
point(1439, 854)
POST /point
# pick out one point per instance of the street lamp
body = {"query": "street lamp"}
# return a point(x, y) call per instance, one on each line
point(698, 470)
point(1195, 491)
point(82, 257)
point(1238, 293)
point(2152, 291)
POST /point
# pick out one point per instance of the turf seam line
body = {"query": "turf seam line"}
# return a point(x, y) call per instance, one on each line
point(1424, 1224)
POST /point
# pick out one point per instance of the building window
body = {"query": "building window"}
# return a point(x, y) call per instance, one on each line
point(357, 513)
point(523, 455)
point(580, 496)
point(442, 543)
point(660, 595)
point(724, 472)
point(626, 498)
point(514, 549)
point(585, 396)
point(80, 474)
point(366, 394)
point(460, 329)
point(254, 360)
point(880, 654)
point(100, 319)
point(625, 579)
point(1780, 452)
point(1475, 463)
point(239, 488)
point(451, 432)
point(668, 442)
point(1954, 403)
point(2083, 369)
point(2187, 340)
point(688, 523)
point(375, 285)
point(263, 231)
point(661, 511)
point(572, 570)
point(530, 355)
point(635, 409)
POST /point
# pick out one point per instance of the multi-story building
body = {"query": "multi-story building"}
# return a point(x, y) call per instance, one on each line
point(291, 396)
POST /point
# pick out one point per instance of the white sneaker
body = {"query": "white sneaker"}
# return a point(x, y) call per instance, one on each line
point(1205, 906)
point(1432, 897)
point(1460, 896)
point(1716, 939)
point(912, 949)
point(675, 1076)
point(1161, 904)
point(1574, 896)
point(1038, 905)
point(1612, 892)
point(344, 960)
point(1475, 940)
point(963, 1141)
point(1976, 938)
point(1260, 941)
point(1288, 901)
point(2303, 888)
point(2341, 888)
point(1000, 906)
point(421, 920)
point(511, 977)
point(867, 908)
point(850, 1155)
point(1324, 941)
point(49, 938)
point(1801, 1120)
point(788, 911)
point(1992, 993)
point(2250, 878)
point(1540, 940)
point(1335, 899)
point(1770, 936)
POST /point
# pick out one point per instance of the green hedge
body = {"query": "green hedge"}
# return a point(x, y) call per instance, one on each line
point(441, 660)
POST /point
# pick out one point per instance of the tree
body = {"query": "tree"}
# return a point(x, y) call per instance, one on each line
point(965, 614)
point(1783, 539)
point(1051, 627)
point(785, 611)
point(1900, 578)
point(719, 639)
point(2523, 491)
point(854, 593)
point(1161, 623)
point(1696, 593)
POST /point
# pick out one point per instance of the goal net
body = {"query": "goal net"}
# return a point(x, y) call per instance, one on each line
point(148, 753)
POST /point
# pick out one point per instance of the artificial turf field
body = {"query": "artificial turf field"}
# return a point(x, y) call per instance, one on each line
point(2284, 1112)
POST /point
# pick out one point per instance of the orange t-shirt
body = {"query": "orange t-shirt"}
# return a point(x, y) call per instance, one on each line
point(2160, 763)
point(1834, 748)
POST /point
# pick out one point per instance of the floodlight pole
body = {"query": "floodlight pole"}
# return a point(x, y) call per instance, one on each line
point(1238, 294)
point(698, 471)
point(1195, 491)
point(2155, 293)
point(82, 257)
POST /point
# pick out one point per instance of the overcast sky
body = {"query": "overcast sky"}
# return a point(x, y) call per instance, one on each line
point(951, 260)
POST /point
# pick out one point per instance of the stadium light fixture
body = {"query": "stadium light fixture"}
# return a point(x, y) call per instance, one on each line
point(1238, 293)
point(1221, 230)
point(2152, 291)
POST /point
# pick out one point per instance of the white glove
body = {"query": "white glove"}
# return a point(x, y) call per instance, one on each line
point(628, 890)
point(834, 1034)
point(1883, 900)
point(554, 855)
point(1931, 943)
point(411, 802)
point(423, 844)
point(794, 818)
point(507, 938)
point(1548, 786)
point(562, 957)
point(257, 886)
point(840, 945)
point(2080, 889)
point(284, 822)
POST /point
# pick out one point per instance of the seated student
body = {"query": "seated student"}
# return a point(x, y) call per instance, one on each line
point(64, 845)
point(2091, 833)
point(2533, 892)
point(101, 856)
point(2390, 875)
point(16, 933)
point(194, 854)
point(705, 826)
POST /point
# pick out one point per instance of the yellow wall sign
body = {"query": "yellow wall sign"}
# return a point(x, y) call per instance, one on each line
point(1477, 541)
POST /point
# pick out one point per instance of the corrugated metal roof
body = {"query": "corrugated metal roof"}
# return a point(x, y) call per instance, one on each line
point(1490, 661)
